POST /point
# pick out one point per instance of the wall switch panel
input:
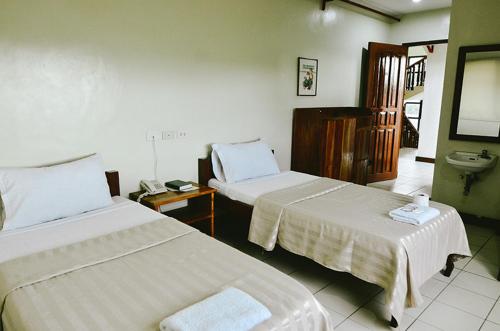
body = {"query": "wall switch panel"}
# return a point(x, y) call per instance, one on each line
point(168, 135)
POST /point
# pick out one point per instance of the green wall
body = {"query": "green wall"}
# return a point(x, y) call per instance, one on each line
point(472, 23)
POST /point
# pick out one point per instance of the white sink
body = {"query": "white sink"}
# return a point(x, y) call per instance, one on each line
point(471, 162)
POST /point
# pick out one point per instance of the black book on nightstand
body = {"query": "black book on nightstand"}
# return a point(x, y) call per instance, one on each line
point(178, 185)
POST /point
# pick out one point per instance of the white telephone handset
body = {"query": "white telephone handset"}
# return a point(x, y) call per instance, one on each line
point(153, 186)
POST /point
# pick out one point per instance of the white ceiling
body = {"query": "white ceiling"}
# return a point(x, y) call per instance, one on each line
point(401, 7)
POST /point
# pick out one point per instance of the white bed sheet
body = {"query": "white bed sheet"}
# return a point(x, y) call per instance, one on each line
point(248, 191)
point(122, 214)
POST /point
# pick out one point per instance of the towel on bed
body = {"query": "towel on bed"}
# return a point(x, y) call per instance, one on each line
point(231, 309)
point(414, 214)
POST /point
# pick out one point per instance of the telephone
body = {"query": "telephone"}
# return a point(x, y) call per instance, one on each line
point(153, 186)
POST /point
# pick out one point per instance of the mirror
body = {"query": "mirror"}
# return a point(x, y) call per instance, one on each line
point(476, 104)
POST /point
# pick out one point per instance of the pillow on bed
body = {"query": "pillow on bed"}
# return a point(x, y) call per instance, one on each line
point(246, 160)
point(36, 195)
point(217, 167)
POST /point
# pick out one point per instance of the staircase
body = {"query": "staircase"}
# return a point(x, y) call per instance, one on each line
point(415, 73)
point(409, 134)
point(415, 80)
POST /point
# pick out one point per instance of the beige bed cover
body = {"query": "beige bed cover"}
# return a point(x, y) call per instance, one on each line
point(346, 227)
point(134, 278)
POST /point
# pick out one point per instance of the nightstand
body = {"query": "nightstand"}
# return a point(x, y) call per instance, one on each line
point(200, 204)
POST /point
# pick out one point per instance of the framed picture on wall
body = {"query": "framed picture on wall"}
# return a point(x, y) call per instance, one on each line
point(307, 77)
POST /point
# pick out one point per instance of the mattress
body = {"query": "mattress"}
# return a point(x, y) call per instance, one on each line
point(248, 191)
point(127, 267)
point(346, 227)
point(122, 214)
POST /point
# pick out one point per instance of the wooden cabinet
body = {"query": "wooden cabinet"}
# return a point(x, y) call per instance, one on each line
point(332, 142)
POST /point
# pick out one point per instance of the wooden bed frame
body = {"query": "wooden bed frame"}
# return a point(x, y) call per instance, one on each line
point(243, 212)
point(223, 204)
point(113, 178)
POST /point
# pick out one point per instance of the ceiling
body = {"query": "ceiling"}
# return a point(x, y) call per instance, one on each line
point(402, 7)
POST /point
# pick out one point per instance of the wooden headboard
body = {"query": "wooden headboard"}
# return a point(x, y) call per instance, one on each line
point(205, 170)
point(113, 178)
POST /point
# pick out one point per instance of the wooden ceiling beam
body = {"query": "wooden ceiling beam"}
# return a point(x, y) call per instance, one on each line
point(352, 3)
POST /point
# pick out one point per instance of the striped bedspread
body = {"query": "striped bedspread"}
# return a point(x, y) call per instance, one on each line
point(132, 279)
point(346, 227)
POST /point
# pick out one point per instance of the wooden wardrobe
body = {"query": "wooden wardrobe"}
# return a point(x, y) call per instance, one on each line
point(332, 142)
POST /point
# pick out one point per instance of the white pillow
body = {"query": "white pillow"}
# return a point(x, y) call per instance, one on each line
point(217, 167)
point(36, 195)
point(246, 160)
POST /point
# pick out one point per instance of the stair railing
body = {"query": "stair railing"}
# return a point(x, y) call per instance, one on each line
point(416, 72)
point(409, 134)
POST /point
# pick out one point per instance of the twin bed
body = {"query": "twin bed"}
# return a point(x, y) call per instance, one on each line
point(126, 267)
point(344, 227)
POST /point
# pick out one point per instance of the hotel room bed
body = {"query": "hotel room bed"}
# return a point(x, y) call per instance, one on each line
point(346, 227)
point(126, 267)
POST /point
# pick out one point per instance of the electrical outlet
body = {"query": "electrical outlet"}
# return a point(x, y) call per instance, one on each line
point(182, 134)
point(169, 135)
point(153, 135)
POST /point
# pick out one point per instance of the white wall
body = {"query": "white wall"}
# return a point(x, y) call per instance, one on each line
point(472, 23)
point(423, 26)
point(93, 76)
point(432, 96)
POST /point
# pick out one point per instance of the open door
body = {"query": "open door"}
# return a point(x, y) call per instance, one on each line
point(384, 97)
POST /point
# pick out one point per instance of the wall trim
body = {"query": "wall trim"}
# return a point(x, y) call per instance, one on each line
point(425, 159)
point(481, 221)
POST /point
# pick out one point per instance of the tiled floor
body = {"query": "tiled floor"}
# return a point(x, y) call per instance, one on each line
point(413, 177)
point(467, 301)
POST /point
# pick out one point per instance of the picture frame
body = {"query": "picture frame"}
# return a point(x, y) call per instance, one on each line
point(307, 77)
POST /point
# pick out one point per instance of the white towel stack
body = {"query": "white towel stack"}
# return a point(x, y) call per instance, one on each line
point(414, 214)
point(231, 309)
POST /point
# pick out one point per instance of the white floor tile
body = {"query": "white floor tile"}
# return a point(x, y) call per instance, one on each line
point(482, 268)
point(415, 312)
point(432, 288)
point(314, 280)
point(448, 318)
point(460, 264)
point(494, 315)
point(490, 326)
point(336, 317)
point(476, 239)
point(375, 316)
point(413, 177)
point(281, 263)
point(422, 326)
point(466, 300)
point(345, 297)
point(350, 325)
point(479, 230)
point(443, 278)
point(490, 252)
point(478, 284)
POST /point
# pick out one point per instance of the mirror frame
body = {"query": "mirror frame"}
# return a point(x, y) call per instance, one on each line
point(457, 97)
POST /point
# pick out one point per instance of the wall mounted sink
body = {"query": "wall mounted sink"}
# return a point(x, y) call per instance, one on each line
point(471, 162)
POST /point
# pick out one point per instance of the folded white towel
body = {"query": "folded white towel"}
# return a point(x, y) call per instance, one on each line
point(414, 214)
point(231, 309)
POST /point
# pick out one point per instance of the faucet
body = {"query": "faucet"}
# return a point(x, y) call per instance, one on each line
point(484, 154)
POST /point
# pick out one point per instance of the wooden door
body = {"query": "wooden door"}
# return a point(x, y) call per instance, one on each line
point(384, 98)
